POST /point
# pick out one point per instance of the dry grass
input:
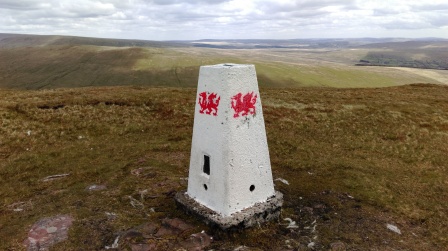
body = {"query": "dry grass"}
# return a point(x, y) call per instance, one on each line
point(69, 66)
point(356, 159)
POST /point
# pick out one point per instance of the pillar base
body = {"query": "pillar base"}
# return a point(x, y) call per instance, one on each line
point(248, 217)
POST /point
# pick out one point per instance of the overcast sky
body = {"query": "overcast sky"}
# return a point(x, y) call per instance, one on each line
point(232, 19)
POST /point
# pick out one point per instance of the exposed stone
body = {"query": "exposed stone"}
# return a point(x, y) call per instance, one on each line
point(148, 229)
point(244, 248)
point(169, 235)
point(47, 232)
point(131, 234)
point(55, 177)
point(96, 187)
point(338, 246)
point(176, 223)
point(257, 214)
point(146, 172)
point(393, 228)
point(144, 247)
point(172, 227)
point(197, 241)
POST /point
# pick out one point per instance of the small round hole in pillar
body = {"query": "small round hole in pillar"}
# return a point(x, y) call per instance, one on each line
point(205, 187)
point(252, 188)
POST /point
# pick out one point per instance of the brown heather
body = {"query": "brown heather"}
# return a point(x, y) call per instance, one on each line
point(355, 160)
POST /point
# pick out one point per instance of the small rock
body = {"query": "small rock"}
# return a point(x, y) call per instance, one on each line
point(20, 206)
point(393, 228)
point(51, 230)
point(131, 235)
point(172, 227)
point(144, 247)
point(144, 172)
point(308, 209)
point(47, 232)
point(149, 228)
point(283, 181)
point(54, 177)
point(241, 248)
point(319, 206)
point(114, 245)
point(292, 224)
point(197, 241)
point(96, 188)
point(338, 246)
point(111, 216)
point(138, 171)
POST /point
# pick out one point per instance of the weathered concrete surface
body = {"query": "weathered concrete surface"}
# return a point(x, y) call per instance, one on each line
point(248, 217)
point(230, 166)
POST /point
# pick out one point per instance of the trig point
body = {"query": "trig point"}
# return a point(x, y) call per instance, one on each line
point(230, 180)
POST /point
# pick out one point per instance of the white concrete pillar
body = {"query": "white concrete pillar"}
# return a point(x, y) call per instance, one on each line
point(230, 169)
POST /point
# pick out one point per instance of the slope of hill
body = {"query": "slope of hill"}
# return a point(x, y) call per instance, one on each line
point(36, 62)
point(19, 41)
point(413, 54)
point(355, 160)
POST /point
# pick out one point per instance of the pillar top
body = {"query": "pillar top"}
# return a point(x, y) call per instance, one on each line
point(229, 65)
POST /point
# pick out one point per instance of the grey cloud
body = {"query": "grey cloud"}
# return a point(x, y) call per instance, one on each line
point(20, 5)
point(190, 19)
point(406, 24)
point(304, 5)
point(430, 7)
point(87, 9)
point(385, 12)
point(438, 20)
point(191, 2)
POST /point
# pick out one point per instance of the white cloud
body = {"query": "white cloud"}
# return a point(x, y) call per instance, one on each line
point(195, 19)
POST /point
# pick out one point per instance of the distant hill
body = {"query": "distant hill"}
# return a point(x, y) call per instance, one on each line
point(415, 54)
point(40, 61)
point(17, 40)
point(22, 40)
point(309, 43)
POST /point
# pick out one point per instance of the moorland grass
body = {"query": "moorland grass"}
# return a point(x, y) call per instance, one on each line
point(70, 66)
point(355, 159)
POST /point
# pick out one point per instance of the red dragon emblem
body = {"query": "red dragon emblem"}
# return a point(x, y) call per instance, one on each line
point(244, 105)
point(209, 103)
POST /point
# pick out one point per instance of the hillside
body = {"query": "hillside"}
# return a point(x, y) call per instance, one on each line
point(46, 62)
point(8, 41)
point(355, 160)
point(413, 54)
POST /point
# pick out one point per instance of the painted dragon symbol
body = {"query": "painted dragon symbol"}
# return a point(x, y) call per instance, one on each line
point(209, 103)
point(244, 105)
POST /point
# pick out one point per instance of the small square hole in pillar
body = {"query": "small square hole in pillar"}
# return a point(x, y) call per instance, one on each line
point(206, 167)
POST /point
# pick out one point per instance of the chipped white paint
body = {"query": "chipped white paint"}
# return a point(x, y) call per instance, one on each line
point(230, 167)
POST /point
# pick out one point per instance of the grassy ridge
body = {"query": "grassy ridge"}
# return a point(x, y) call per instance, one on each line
point(78, 66)
point(46, 67)
point(356, 159)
